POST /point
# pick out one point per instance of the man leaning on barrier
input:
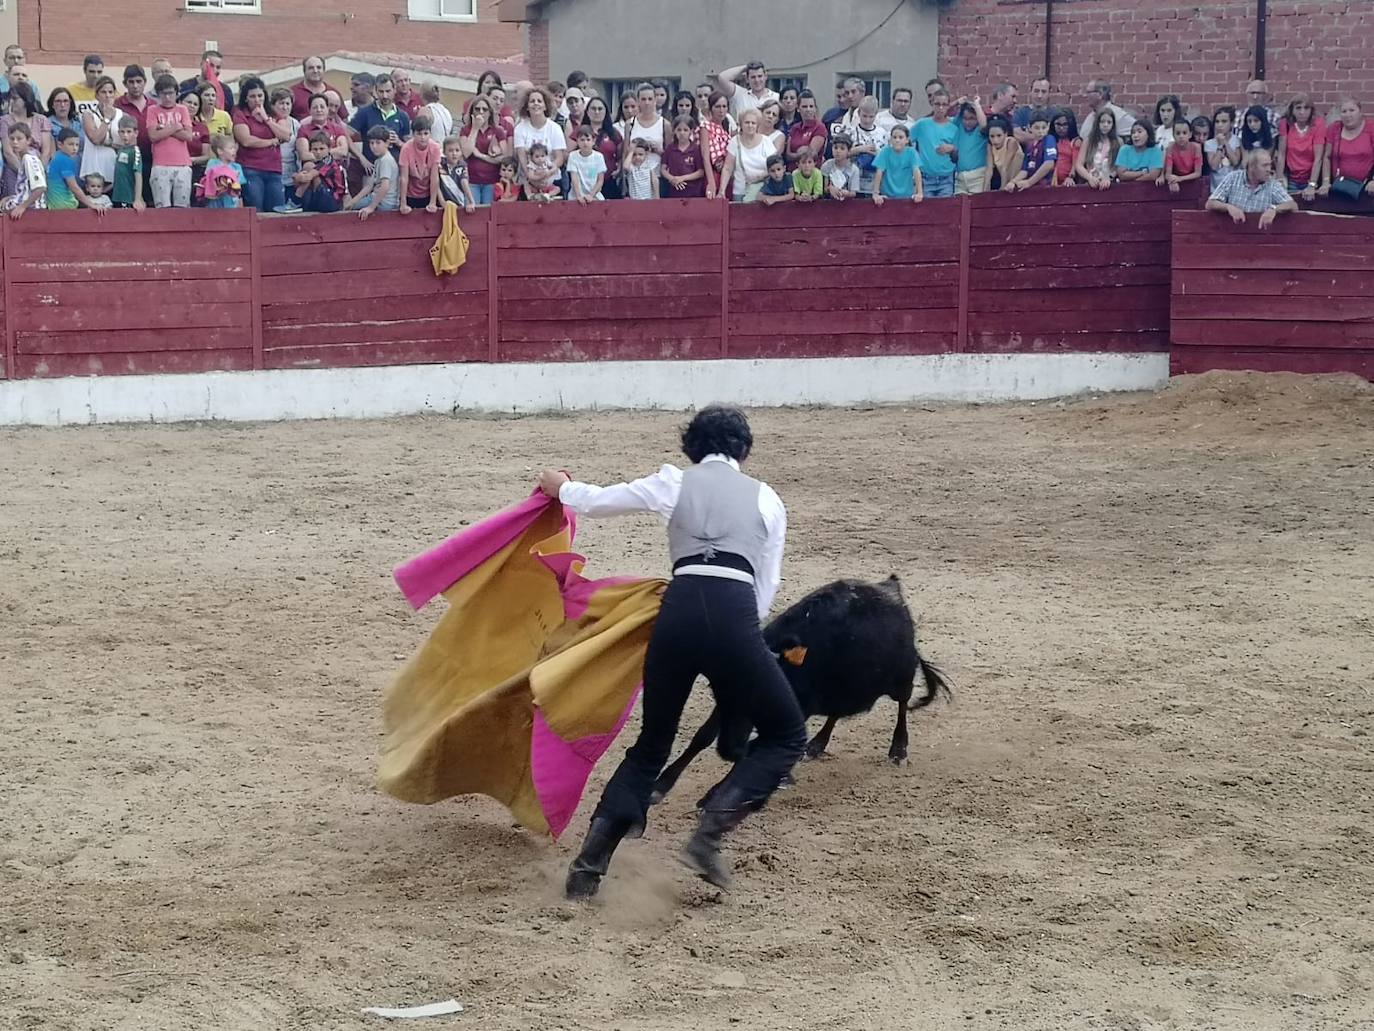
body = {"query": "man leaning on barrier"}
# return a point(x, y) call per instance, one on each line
point(1251, 189)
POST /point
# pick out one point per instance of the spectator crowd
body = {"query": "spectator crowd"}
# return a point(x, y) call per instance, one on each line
point(392, 146)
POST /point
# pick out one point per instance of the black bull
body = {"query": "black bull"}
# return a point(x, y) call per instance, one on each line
point(842, 647)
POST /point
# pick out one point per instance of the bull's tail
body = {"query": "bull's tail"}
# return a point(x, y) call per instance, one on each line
point(936, 684)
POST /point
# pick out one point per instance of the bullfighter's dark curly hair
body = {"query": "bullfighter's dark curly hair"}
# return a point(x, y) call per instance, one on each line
point(717, 430)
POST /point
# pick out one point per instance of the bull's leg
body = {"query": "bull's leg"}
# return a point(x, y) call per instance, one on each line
point(897, 753)
point(701, 741)
point(817, 745)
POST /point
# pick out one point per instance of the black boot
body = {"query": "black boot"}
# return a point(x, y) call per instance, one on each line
point(728, 808)
point(585, 872)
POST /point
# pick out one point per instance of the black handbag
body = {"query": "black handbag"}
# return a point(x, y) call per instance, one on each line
point(1344, 186)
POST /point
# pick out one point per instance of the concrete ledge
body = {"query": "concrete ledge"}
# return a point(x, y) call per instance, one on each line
point(369, 393)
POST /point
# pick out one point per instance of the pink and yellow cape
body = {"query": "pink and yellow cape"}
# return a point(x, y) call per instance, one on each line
point(529, 675)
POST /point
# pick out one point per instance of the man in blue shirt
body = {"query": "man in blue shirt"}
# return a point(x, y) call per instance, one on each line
point(937, 143)
point(384, 112)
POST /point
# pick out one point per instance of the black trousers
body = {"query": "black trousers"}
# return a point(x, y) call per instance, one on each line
point(708, 626)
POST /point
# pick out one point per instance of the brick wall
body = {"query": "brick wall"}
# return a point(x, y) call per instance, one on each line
point(60, 32)
point(537, 50)
point(1204, 51)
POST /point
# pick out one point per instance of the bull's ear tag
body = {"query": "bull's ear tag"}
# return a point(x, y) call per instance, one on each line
point(796, 656)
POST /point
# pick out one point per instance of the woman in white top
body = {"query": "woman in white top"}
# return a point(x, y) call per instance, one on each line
point(440, 116)
point(648, 125)
point(101, 125)
point(746, 162)
point(535, 126)
point(771, 110)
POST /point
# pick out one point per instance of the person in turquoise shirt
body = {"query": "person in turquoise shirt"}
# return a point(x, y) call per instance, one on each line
point(971, 137)
point(897, 172)
point(937, 144)
point(1142, 161)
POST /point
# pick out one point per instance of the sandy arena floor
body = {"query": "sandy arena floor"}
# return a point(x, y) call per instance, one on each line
point(1149, 807)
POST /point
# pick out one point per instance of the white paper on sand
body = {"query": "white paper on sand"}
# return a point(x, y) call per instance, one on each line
point(434, 1009)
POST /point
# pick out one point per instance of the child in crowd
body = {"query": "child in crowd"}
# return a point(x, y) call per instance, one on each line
point(841, 174)
point(1004, 156)
point(897, 172)
point(587, 168)
point(807, 182)
point(222, 184)
point(1184, 161)
point(1141, 161)
point(1041, 154)
point(777, 188)
point(971, 143)
point(506, 189)
point(420, 158)
point(64, 189)
point(321, 183)
point(1064, 129)
point(867, 139)
point(1302, 145)
point(1202, 135)
point(1223, 149)
point(1168, 109)
point(936, 141)
point(169, 129)
point(31, 186)
point(639, 172)
point(682, 167)
point(94, 184)
point(1097, 157)
point(541, 175)
point(381, 191)
point(1255, 133)
point(454, 187)
point(128, 171)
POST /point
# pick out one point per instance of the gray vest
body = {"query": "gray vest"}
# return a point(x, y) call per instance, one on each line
point(718, 510)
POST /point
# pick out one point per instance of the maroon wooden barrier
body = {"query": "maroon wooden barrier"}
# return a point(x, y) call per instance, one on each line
point(152, 291)
point(822, 279)
point(1296, 297)
point(337, 291)
point(609, 281)
point(1072, 269)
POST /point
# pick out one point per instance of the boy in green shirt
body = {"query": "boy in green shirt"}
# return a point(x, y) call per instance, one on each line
point(807, 182)
point(128, 176)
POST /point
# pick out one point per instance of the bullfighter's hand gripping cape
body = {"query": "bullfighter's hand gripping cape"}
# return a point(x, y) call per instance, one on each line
point(529, 675)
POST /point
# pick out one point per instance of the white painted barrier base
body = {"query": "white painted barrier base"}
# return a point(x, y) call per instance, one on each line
point(366, 393)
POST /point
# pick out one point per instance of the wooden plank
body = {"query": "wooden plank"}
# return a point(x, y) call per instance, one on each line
point(290, 230)
point(1203, 226)
point(104, 340)
point(117, 296)
point(38, 271)
point(127, 222)
point(451, 327)
point(255, 242)
point(612, 261)
point(664, 211)
point(965, 239)
point(124, 248)
point(312, 286)
point(992, 342)
point(395, 352)
point(1268, 283)
point(725, 292)
point(642, 331)
point(777, 246)
point(666, 349)
point(1071, 320)
point(1120, 194)
point(1128, 236)
point(1336, 256)
point(1186, 360)
point(132, 317)
point(1254, 334)
point(808, 345)
point(393, 255)
point(859, 276)
point(1270, 308)
point(1121, 298)
point(933, 320)
point(860, 256)
point(1065, 255)
point(134, 363)
point(493, 291)
point(579, 309)
point(932, 215)
point(849, 299)
point(1014, 280)
point(609, 234)
point(374, 309)
point(613, 288)
point(1049, 221)
point(7, 300)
